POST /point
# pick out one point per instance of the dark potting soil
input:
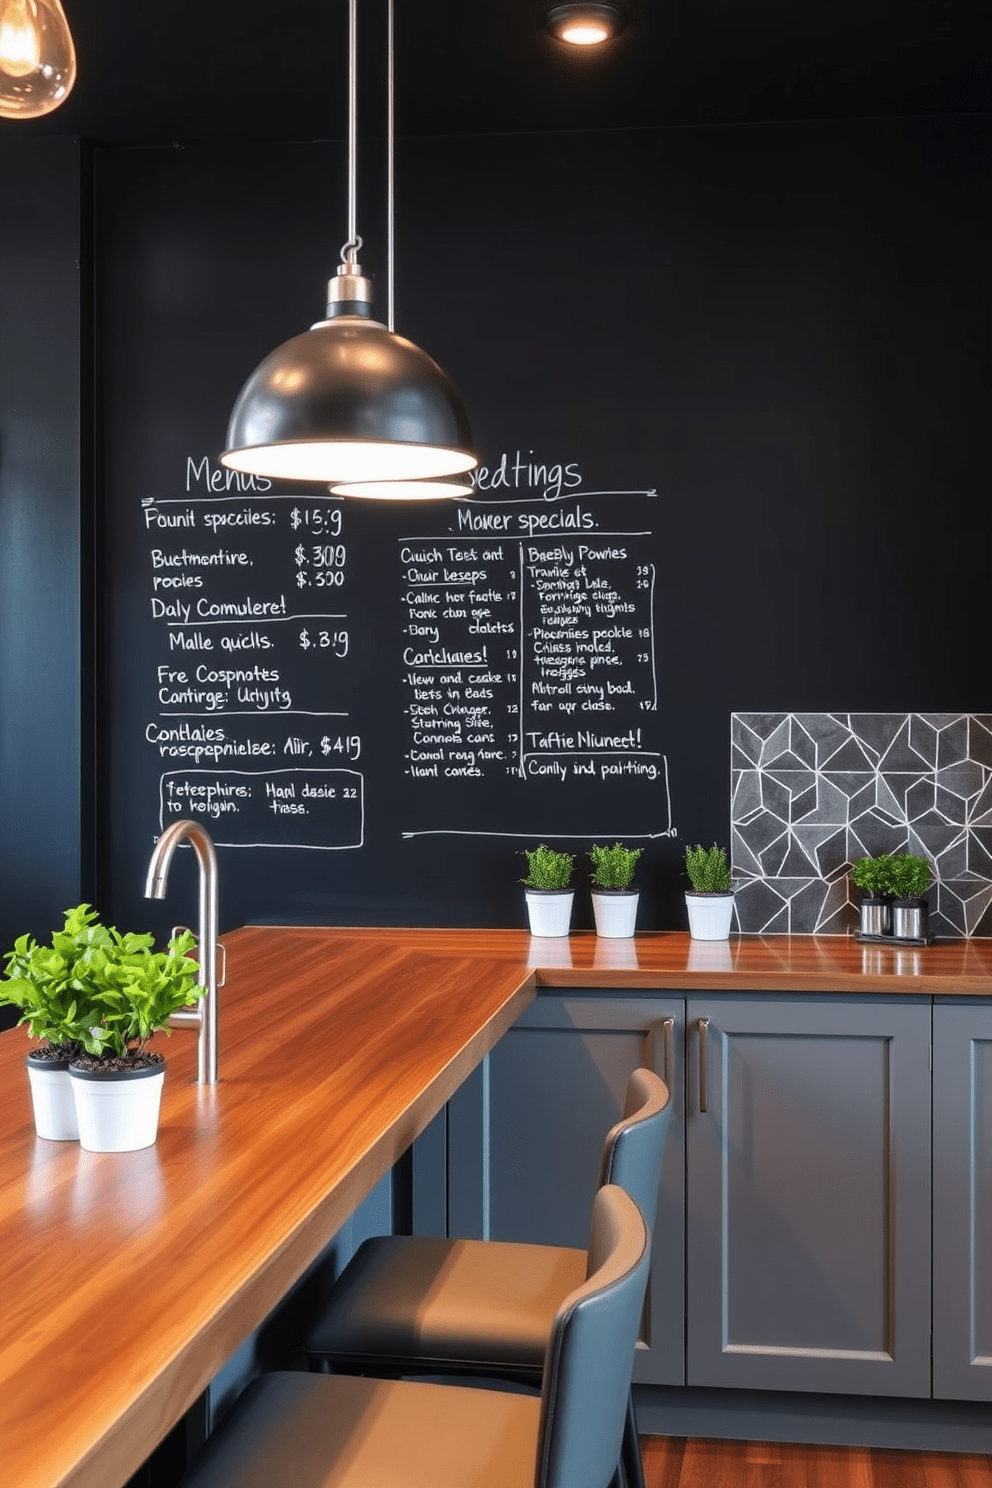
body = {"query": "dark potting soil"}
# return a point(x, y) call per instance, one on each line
point(55, 1052)
point(118, 1062)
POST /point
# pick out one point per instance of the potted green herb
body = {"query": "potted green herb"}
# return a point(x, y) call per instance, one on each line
point(547, 892)
point(614, 903)
point(710, 902)
point(117, 1080)
point(96, 997)
point(873, 876)
point(52, 986)
point(910, 876)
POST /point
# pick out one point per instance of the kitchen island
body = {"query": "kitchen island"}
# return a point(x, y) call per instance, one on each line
point(127, 1280)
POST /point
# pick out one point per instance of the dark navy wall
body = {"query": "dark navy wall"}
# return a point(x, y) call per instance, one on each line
point(41, 808)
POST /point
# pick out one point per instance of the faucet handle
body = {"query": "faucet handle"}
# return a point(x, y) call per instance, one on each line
point(222, 978)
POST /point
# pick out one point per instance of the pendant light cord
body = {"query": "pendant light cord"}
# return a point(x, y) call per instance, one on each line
point(349, 253)
point(390, 154)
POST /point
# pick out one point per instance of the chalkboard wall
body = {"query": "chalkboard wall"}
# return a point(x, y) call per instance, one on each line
point(728, 391)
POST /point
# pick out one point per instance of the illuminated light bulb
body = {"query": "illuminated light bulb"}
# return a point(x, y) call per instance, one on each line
point(453, 489)
point(584, 35)
point(37, 58)
point(585, 24)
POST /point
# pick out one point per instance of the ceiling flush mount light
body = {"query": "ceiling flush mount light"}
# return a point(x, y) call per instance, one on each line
point(37, 58)
point(585, 25)
point(350, 401)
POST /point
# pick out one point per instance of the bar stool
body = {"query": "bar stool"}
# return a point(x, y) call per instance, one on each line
point(407, 1305)
point(296, 1430)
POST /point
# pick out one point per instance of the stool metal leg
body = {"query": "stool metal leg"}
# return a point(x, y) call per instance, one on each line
point(632, 1468)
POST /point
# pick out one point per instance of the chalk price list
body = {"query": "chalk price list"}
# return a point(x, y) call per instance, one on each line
point(250, 682)
point(460, 657)
point(589, 690)
point(529, 659)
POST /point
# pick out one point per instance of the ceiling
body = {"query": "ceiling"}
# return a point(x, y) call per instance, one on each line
point(187, 70)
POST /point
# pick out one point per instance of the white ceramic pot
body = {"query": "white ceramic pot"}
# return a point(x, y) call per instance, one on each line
point(549, 910)
point(117, 1112)
point(710, 915)
point(52, 1099)
point(615, 911)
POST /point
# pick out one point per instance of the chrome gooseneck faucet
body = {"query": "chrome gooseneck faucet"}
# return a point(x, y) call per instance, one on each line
point(204, 1016)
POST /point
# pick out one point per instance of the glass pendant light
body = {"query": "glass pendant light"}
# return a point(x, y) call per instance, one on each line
point(350, 400)
point(37, 58)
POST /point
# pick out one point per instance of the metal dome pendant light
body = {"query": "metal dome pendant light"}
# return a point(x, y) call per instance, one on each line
point(349, 400)
point(452, 487)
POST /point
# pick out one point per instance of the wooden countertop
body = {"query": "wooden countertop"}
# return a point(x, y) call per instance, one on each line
point(800, 963)
point(127, 1280)
point(670, 959)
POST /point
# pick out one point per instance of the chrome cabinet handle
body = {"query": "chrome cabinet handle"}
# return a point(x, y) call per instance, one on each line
point(668, 1024)
point(704, 1028)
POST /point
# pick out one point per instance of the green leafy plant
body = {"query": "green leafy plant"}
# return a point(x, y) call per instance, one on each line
point(51, 985)
point(873, 875)
point(910, 875)
point(547, 869)
point(96, 988)
point(707, 869)
point(613, 867)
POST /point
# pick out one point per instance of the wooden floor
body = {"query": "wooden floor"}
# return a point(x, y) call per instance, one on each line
point(674, 1462)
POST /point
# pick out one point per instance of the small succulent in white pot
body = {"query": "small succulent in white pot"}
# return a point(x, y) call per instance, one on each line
point(547, 890)
point(710, 902)
point(614, 902)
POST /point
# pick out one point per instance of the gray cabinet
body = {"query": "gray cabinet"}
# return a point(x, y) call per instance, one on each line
point(962, 1191)
point(793, 1235)
point(808, 1194)
point(525, 1135)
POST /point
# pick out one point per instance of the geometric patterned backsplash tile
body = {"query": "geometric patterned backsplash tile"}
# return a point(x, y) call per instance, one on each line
point(813, 792)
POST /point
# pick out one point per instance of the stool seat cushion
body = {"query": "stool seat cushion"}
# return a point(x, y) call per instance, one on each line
point(468, 1302)
point(292, 1430)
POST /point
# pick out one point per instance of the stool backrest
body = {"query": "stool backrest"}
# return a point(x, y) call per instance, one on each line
point(634, 1147)
point(590, 1354)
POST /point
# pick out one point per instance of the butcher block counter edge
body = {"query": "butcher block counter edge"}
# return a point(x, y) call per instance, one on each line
point(662, 960)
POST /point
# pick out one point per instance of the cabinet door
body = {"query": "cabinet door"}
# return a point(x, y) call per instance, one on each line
point(525, 1137)
point(808, 1194)
point(962, 1193)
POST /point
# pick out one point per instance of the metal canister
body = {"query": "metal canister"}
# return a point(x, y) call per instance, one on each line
point(909, 919)
point(876, 918)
